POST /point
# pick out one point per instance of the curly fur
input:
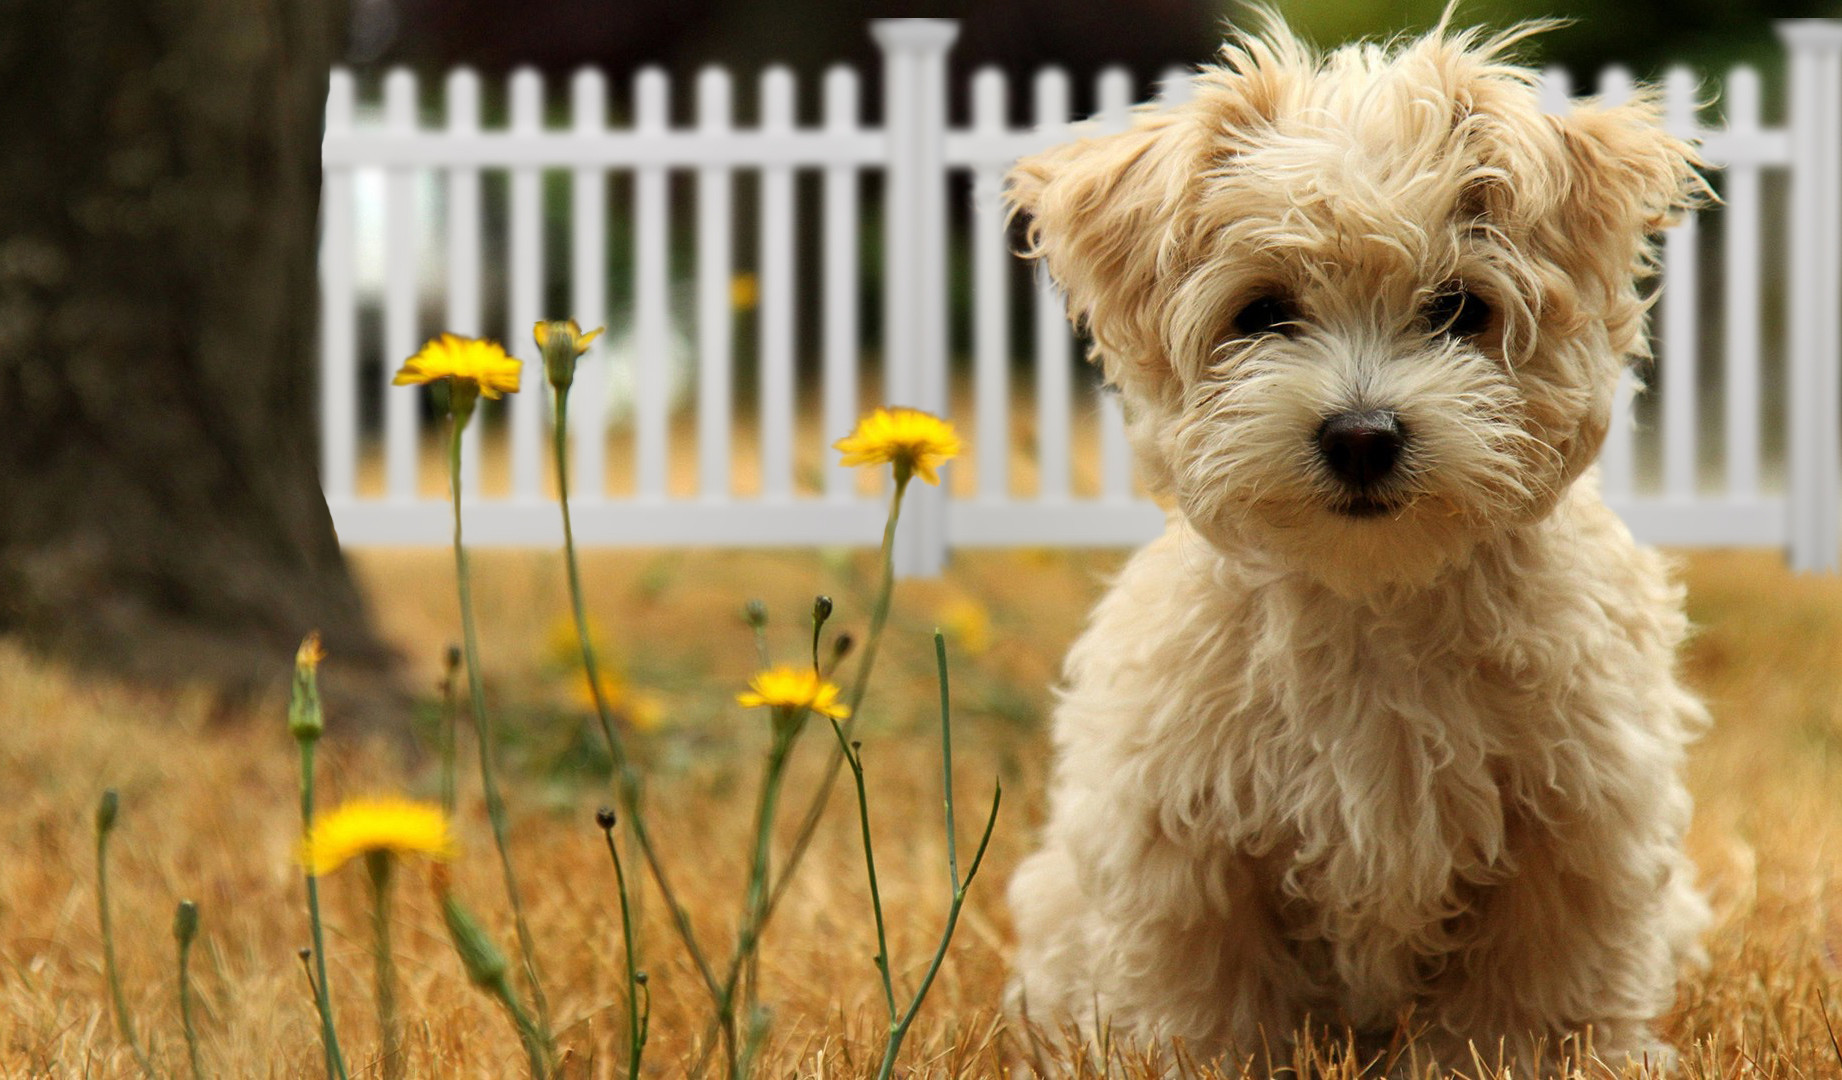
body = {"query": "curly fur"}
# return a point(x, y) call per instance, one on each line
point(1314, 768)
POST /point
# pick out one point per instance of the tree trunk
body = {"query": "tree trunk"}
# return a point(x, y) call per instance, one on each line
point(160, 507)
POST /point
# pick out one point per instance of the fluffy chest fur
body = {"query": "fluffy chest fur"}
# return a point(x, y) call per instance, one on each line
point(1380, 765)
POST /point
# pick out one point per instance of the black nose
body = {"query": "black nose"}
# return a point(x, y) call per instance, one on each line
point(1362, 447)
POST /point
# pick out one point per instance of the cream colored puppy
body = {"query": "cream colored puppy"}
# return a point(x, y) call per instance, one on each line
point(1386, 724)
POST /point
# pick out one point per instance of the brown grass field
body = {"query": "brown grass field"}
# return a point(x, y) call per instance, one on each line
point(209, 812)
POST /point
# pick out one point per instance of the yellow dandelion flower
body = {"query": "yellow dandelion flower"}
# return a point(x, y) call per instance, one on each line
point(909, 439)
point(646, 712)
point(744, 292)
point(968, 624)
point(561, 341)
point(794, 688)
point(568, 332)
point(613, 691)
point(482, 363)
point(310, 653)
point(389, 824)
point(563, 649)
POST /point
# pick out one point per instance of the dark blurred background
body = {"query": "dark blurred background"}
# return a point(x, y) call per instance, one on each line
point(1145, 36)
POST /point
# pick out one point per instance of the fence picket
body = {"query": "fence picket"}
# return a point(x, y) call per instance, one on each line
point(1176, 85)
point(841, 271)
point(715, 260)
point(991, 276)
point(915, 151)
point(1681, 334)
point(1618, 460)
point(402, 409)
point(527, 291)
point(652, 276)
point(338, 309)
point(1740, 220)
point(1054, 341)
point(1115, 94)
point(777, 289)
point(588, 290)
point(463, 262)
point(1556, 89)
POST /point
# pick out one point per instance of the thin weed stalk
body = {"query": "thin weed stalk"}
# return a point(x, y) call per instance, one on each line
point(106, 812)
point(390, 1031)
point(638, 1018)
point(900, 1020)
point(879, 617)
point(460, 410)
point(486, 968)
point(185, 930)
point(815, 810)
point(329, 1035)
point(627, 777)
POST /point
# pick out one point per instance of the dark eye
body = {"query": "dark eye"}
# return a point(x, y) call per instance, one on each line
point(1266, 315)
point(1457, 312)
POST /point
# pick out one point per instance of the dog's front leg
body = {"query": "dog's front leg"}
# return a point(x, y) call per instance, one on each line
point(1128, 934)
point(1579, 950)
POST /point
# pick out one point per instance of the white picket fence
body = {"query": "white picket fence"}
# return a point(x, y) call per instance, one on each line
point(1054, 472)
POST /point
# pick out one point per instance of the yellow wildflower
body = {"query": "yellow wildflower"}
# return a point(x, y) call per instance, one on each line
point(643, 712)
point(794, 688)
point(563, 649)
point(561, 341)
point(744, 292)
point(909, 439)
point(310, 653)
point(483, 364)
point(968, 624)
point(387, 824)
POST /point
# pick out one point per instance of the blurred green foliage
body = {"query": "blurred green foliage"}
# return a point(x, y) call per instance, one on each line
point(1645, 36)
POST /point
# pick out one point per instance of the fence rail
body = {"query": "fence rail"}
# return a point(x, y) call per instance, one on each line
point(665, 455)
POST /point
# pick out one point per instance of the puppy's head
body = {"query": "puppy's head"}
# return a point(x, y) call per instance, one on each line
point(1364, 308)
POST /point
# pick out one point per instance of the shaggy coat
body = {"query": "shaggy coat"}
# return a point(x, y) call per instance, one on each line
point(1341, 757)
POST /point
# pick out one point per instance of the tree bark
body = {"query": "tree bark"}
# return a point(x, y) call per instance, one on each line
point(160, 507)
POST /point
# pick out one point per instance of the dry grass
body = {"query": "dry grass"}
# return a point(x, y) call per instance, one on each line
point(208, 813)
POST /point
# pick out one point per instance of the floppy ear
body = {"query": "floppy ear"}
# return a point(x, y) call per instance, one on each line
point(1626, 177)
point(1105, 214)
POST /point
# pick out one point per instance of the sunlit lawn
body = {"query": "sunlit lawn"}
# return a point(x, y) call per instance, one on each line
point(209, 813)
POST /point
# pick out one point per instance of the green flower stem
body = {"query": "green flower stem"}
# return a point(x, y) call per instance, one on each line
point(636, 1024)
point(879, 617)
point(754, 906)
point(899, 1023)
point(900, 1031)
point(450, 722)
point(185, 929)
point(329, 1036)
point(628, 779)
point(390, 1031)
point(123, 1020)
point(815, 810)
point(854, 756)
point(495, 803)
point(536, 1043)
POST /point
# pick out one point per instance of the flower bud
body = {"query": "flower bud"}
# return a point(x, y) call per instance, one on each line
point(841, 646)
point(821, 609)
point(756, 614)
point(185, 923)
point(604, 817)
point(562, 343)
point(305, 721)
point(484, 962)
point(106, 811)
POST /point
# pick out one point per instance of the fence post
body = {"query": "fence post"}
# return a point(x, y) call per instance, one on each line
point(915, 255)
point(1814, 76)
